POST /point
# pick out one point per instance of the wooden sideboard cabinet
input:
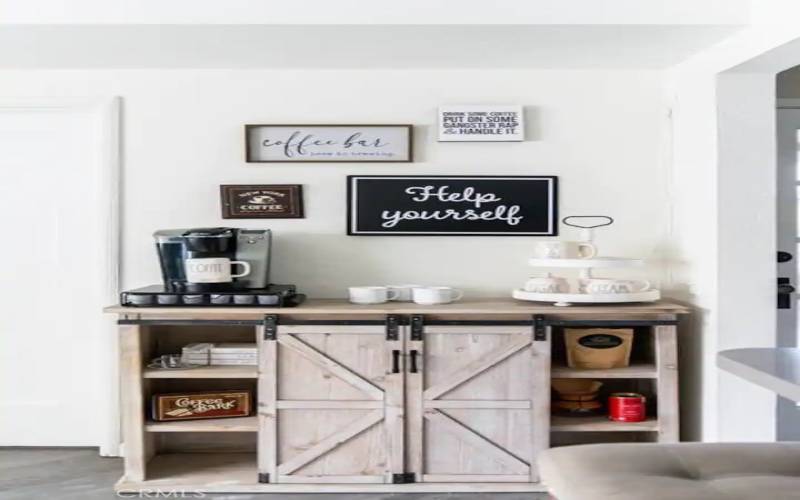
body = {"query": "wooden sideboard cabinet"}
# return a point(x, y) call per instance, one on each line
point(394, 397)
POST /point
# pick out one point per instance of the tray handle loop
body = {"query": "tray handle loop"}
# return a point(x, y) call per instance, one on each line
point(607, 221)
point(587, 229)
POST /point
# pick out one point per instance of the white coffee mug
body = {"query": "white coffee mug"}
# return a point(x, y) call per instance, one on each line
point(213, 270)
point(405, 293)
point(547, 284)
point(370, 294)
point(606, 286)
point(429, 295)
point(564, 250)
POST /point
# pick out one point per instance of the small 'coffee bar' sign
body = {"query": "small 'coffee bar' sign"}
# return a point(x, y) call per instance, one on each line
point(452, 205)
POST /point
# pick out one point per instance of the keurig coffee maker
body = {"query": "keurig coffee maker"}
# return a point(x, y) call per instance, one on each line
point(204, 259)
point(216, 266)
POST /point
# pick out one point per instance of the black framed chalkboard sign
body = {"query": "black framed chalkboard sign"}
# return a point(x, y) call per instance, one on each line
point(434, 205)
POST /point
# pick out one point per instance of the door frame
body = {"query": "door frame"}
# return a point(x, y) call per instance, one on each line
point(787, 122)
point(106, 112)
point(787, 333)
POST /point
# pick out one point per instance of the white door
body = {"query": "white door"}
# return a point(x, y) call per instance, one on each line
point(56, 272)
point(788, 235)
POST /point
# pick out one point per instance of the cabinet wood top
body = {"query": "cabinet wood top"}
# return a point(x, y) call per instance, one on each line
point(464, 307)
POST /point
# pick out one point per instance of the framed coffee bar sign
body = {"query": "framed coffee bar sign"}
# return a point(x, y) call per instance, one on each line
point(452, 205)
point(328, 143)
point(283, 201)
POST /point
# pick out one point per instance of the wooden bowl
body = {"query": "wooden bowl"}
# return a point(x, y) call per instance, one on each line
point(570, 388)
point(591, 396)
point(576, 406)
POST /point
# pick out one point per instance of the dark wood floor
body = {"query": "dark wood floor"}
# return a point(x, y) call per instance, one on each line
point(80, 474)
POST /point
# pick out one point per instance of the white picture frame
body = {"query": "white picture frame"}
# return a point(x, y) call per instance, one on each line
point(481, 123)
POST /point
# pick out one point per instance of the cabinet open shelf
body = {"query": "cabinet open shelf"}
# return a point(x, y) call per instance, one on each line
point(599, 424)
point(239, 424)
point(238, 473)
point(228, 472)
point(244, 371)
point(641, 370)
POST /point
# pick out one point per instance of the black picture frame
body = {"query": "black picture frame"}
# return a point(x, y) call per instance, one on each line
point(552, 215)
point(409, 149)
point(294, 193)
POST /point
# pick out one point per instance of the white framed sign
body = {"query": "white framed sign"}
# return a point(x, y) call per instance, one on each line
point(463, 123)
point(328, 143)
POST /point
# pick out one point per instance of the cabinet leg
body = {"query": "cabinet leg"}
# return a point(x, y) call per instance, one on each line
point(139, 447)
point(666, 341)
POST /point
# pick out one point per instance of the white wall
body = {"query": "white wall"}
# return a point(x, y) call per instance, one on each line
point(603, 133)
point(722, 245)
point(692, 248)
point(722, 235)
point(747, 244)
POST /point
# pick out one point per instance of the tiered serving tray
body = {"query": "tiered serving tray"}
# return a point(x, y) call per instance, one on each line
point(597, 262)
point(586, 266)
point(566, 299)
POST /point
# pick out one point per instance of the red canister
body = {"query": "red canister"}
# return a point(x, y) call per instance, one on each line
point(626, 407)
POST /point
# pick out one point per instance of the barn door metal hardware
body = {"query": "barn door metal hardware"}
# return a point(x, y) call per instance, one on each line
point(271, 327)
point(404, 478)
point(417, 327)
point(539, 328)
point(393, 323)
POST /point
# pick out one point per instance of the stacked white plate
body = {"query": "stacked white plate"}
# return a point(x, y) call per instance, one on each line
point(586, 265)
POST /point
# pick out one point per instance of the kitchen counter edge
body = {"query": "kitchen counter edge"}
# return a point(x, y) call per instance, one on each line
point(466, 307)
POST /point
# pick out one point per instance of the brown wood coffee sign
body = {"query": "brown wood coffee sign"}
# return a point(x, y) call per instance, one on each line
point(191, 406)
point(283, 201)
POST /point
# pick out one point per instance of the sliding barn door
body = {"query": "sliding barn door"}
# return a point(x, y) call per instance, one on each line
point(331, 403)
point(478, 402)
